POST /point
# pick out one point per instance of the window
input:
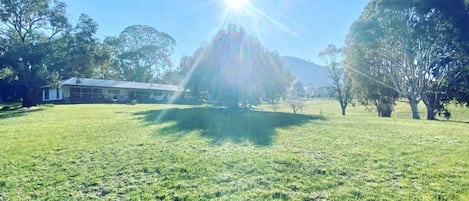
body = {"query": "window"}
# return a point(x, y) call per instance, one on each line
point(57, 93)
point(74, 93)
point(97, 91)
point(114, 91)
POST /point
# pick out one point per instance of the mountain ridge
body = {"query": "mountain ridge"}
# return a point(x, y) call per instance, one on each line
point(307, 72)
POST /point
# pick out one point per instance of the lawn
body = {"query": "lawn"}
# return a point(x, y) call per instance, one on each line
point(173, 152)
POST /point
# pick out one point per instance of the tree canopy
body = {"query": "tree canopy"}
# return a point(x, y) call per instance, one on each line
point(40, 45)
point(141, 53)
point(413, 47)
point(236, 69)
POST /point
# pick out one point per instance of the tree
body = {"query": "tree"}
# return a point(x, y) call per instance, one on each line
point(235, 69)
point(27, 28)
point(78, 53)
point(309, 90)
point(370, 80)
point(178, 76)
point(141, 53)
point(418, 44)
point(299, 89)
point(296, 97)
point(296, 103)
point(40, 47)
point(334, 61)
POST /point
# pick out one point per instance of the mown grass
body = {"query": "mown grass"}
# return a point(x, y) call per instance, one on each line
point(170, 152)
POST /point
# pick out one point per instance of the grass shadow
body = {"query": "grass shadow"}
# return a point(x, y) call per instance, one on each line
point(455, 121)
point(220, 124)
point(15, 110)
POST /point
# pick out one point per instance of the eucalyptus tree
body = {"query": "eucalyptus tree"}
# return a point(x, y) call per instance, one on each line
point(417, 43)
point(370, 80)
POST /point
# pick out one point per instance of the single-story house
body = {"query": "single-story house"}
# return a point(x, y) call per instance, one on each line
point(87, 90)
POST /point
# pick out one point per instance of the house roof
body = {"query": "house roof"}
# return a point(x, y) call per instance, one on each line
point(89, 82)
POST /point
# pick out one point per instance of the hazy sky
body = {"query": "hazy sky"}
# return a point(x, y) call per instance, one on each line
point(298, 28)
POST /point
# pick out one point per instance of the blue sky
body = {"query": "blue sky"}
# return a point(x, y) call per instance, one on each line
point(300, 28)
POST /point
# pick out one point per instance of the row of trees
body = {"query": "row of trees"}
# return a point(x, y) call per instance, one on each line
point(39, 46)
point(415, 49)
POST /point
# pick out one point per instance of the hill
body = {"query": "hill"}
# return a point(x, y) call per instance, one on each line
point(308, 72)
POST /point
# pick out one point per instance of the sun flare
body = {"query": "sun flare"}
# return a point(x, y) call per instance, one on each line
point(237, 4)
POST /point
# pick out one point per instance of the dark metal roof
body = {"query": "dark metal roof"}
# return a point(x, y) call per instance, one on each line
point(118, 84)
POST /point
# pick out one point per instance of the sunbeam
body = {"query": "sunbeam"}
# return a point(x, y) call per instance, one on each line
point(237, 4)
point(250, 15)
point(243, 13)
point(274, 22)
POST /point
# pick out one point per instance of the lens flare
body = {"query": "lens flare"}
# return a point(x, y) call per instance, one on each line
point(237, 4)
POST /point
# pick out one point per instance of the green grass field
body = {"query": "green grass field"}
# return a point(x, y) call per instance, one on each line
point(171, 152)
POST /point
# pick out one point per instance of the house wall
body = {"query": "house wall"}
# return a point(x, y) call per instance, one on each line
point(84, 94)
point(113, 94)
point(142, 95)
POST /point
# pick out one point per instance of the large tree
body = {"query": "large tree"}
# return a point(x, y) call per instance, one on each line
point(27, 28)
point(39, 46)
point(370, 79)
point(236, 69)
point(141, 53)
point(336, 71)
point(418, 43)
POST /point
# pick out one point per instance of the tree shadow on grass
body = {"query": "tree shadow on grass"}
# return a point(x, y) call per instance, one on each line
point(14, 111)
point(223, 124)
point(455, 121)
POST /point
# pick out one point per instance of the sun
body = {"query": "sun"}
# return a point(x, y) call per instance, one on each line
point(237, 4)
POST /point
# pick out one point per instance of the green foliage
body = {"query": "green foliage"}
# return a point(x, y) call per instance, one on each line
point(39, 46)
point(140, 60)
point(77, 53)
point(370, 80)
point(418, 46)
point(123, 152)
point(236, 69)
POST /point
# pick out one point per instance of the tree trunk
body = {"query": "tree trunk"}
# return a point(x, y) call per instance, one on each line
point(430, 103)
point(414, 108)
point(430, 113)
point(385, 112)
point(430, 109)
point(384, 109)
point(29, 98)
point(343, 106)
